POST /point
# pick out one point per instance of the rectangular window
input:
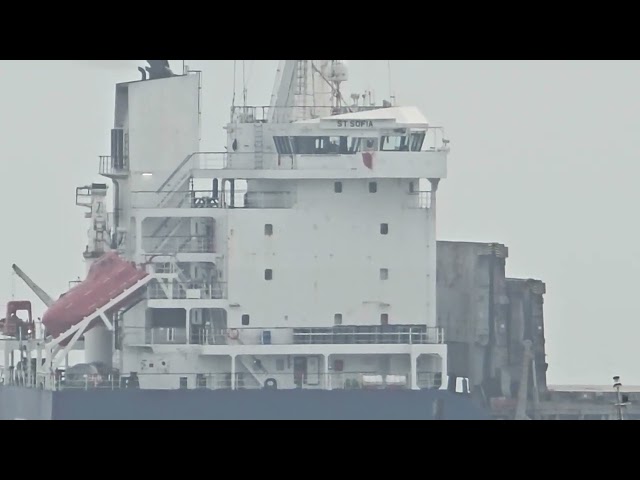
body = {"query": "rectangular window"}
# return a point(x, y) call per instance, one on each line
point(373, 187)
point(337, 187)
point(417, 139)
point(384, 274)
point(268, 229)
point(303, 145)
point(268, 274)
point(384, 228)
point(283, 145)
point(396, 143)
point(384, 319)
point(183, 382)
point(338, 365)
point(245, 319)
point(279, 364)
point(370, 144)
point(335, 145)
point(337, 319)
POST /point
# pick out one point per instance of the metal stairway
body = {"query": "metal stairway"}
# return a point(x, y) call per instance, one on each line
point(175, 196)
point(171, 187)
point(178, 197)
point(167, 277)
point(254, 368)
point(166, 230)
point(260, 375)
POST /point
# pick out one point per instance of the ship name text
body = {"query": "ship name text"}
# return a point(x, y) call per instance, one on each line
point(355, 123)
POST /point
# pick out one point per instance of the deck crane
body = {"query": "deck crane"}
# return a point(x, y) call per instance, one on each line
point(40, 293)
point(12, 325)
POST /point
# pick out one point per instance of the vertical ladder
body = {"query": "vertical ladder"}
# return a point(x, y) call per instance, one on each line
point(301, 77)
point(259, 145)
point(302, 90)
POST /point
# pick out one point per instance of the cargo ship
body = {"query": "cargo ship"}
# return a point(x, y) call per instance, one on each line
point(295, 275)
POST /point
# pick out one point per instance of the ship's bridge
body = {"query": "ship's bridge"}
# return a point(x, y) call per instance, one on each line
point(397, 129)
point(392, 142)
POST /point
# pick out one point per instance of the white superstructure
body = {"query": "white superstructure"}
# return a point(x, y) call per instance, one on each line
point(307, 259)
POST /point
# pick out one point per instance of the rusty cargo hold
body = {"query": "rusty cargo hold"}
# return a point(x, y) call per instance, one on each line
point(486, 317)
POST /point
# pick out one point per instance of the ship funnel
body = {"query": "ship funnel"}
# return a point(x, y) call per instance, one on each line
point(158, 69)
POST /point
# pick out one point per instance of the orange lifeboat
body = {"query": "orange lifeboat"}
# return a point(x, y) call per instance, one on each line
point(108, 278)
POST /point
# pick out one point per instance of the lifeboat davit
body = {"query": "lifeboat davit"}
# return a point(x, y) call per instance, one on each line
point(108, 277)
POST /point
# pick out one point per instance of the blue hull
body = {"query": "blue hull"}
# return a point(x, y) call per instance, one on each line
point(32, 404)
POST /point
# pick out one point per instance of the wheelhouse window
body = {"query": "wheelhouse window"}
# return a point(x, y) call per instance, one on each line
point(304, 145)
point(402, 143)
point(394, 143)
point(417, 140)
point(369, 144)
point(336, 145)
point(354, 145)
point(312, 145)
point(283, 145)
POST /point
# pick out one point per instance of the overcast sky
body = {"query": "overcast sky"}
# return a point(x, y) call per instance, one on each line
point(543, 159)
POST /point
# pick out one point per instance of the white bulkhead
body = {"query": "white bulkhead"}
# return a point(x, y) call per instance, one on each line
point(302, 257)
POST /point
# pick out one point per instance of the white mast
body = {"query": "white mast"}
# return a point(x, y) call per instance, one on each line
point(311, 86)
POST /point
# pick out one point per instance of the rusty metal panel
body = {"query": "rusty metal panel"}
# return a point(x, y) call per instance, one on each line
point(472, 306)
point(526, 322)
point(486, 316)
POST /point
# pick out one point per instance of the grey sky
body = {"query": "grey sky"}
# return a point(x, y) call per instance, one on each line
point(544, 159)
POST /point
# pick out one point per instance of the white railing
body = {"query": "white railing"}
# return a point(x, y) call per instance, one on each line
point(435, 140)
point(192, 380)
point(208, 335)
point(107, 169)
point(211, 160)
point(352, 336)
point(225, 160)
point(429, 380)
point(180, 199)
point(187, 290)
point(206, 199)
point(420, 200)
point(158, 244)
